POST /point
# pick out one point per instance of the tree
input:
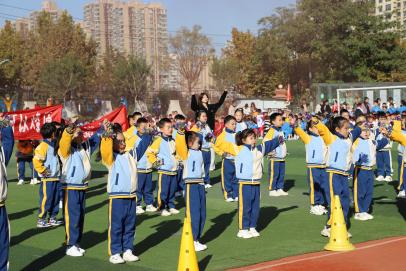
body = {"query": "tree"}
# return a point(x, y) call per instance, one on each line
point(130, 76)
point(224, 72)
point(192, 49)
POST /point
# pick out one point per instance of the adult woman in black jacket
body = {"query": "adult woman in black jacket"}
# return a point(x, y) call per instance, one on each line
point(202, 104)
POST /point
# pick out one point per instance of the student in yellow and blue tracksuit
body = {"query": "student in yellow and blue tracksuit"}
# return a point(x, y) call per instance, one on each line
point(206, 137)
point(401, 165)
point(188, 147)
point(75, 154)
point(6, 149)
point(239, 118)
point(180, 123)
point(364, 158)
point(46, 163)
point(139, 142)
point(339, 141)
point(162, 154)
point(316, 159)
point(276, 158)
point(229, 183)
point(121, 188)
point(248, 163)
point(383, 156)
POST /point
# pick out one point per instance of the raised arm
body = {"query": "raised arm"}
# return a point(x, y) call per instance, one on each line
point(302, 135)
point(380, 144)
point(194, 105)
point(325, 133)
point(106, 151)
point(355, 133)
point(65, 143)
point(271, 145)
point(221, 101)
point(181, 147)
point(144, 144)
point(95, 139)
point(7, 141)
point(398, 137)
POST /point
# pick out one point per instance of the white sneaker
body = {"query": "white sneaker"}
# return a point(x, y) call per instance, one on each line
point(199, 247)
point(60, 204)
point(325, 232)
point(254, 232)
point(128, 256)
point(20, 182)
point(368, 216)
point(116, 259)
point(229, 200)
point(360, 216)
point(80, 249)
point(165, 213)
point(245, 234)
point(282, 193)
point(388, 179)
point(401, 194)
point(380, 178)
point(173, 211)
point(274, 193)
point(314, 210)
point(73, 251)
point(139, 210)
point(207, 186)
point(35, 181)
point(236, 199)
point(32, 182)
point(349, 234)
point(150, 208)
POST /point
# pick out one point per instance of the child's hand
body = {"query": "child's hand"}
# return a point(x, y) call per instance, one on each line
point(157, 163)
point(180, 125)
point(70, 128)
point(209, 137)
point(46, 173)
point(281, 140)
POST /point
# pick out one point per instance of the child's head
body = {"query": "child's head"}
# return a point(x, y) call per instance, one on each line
point(118, 138)
point(276, 119)
point(345, 114)
point(48, 131)
point(77, 136)
point(238, 114)
point(142, 125)
point(340, 125)
point(310, 127)
point(201, 116)
point(165, 126)
point(246, 137)
point(193, 140)
point(361, 119)
point(230, 122)
point(382, 118)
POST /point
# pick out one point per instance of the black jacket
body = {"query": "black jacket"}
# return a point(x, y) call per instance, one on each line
point(210, 110)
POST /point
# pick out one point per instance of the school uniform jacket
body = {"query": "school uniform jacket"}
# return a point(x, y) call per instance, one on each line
point(279, 154)
point(139, 143)
point(45, 159)
point(163, 149)
point(316, 149)
point(6, 149)
point(226, 136)
point(76, 160)
point(241, 126)
point(379, 136)
point(203, 132)
point(364, 152)
point(122, 167)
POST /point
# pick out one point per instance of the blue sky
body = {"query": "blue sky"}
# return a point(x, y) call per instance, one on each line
point(217, 17)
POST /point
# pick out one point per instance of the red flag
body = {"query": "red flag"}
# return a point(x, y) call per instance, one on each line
point(27, 123)
point(118, 115)
point(289, 94)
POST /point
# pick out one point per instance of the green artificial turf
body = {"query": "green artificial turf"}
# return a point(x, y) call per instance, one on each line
point(285, 225)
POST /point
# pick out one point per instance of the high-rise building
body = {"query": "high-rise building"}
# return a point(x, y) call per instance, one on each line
point(393, 10)
point(132, 28)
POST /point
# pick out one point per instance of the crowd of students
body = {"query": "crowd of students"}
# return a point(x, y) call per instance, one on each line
point(339, 148)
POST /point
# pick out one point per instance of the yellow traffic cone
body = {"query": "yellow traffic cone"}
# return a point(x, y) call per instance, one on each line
point(187, 254)
point(339, 240)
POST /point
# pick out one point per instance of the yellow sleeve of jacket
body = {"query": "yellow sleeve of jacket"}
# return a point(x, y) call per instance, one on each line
point(195, 129)
point(129, 132)
point(106, 151)
point(325, 133)
point(153, 150)
point(181, 147)
point(65, 144)
point(269, 135)
point(40, 155)
point(217, 144)
point(398, 137)
point(397, 126)
point(229, 147)
point(302, 135)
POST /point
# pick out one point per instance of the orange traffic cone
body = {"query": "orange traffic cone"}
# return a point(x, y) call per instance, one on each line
point(187, 254)
point(339, 240)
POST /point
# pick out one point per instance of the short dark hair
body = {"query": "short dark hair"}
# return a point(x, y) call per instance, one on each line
point(161, 122)
point(190, 137)
point(179, 117)
point(240, 136)
point(48, 130)
point(141, 120)
point(342, 111)
point(273, 116)
point(199, 114)
point(229, 118)
point(239, 110)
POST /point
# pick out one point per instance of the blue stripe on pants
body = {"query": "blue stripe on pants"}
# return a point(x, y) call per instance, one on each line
point(167, 186)
point(363, 189)
point(338, 185)
point(228, 179)
point(4, 239)
point(196, 208)
point(383, 163)
point(248, 206)
point(48, 199)
point(121, 225)
point(316, 178)
point(74, 215)
point(276, 174)
point(207, 162)
point(144, 189)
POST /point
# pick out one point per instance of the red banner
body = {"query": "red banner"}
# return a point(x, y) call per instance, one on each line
point(118, 115)
point(27, 123)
